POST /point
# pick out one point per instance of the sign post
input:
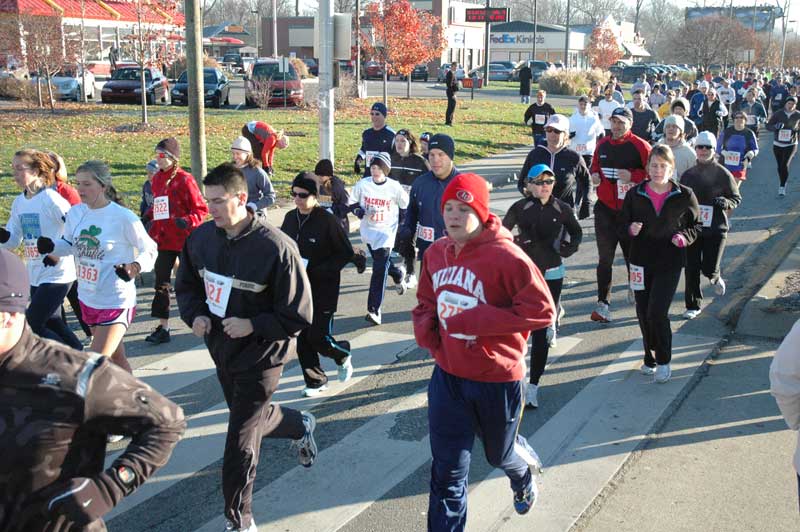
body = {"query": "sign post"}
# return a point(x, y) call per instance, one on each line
point(487, 15)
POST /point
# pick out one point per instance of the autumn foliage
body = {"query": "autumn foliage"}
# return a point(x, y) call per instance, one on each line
point(603, 50)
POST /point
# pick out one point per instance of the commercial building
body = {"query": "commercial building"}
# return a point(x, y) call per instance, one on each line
point(513, 41)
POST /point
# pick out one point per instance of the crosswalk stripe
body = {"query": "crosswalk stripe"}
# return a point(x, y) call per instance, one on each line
point(349, 476)
point(177, 371)
point(204, 439)
point(588, 440)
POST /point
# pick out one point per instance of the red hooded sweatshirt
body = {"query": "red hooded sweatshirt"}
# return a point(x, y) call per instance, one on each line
point(185, 201)
point(476, 310)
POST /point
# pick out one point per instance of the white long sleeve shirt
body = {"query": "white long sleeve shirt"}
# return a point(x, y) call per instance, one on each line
point(606, 108)
point(99, 239)
point(381, 204)
point(40, 215)
point(586, 128)
point(784, 380)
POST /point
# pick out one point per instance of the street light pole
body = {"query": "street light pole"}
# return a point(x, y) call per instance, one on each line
point(274, 28)
point(258, 23)
point(566, 39)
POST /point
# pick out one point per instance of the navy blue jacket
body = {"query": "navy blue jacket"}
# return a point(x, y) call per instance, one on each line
point(375, 141)
point(424, 209)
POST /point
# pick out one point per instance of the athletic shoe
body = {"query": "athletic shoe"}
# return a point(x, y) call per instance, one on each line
point(411, 281)
point(345, 371)
point(526, 452)
point(719, 286)
point(400, 281)
point(360, 260)
point(531, 392)
point(631, 296)
point(306, 446)
point(525, 499)
point(561, 313)
point(663, 373)
point(313, 392)
point(87, 342)
point(159, 336)
point(230, 527)
point(601, 313)
point(551, 336)
point(781, 191)
point(691, 313)
point(114, 438)
point(644, 369)
point(374, 317)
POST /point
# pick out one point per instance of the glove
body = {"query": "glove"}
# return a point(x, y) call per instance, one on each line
point(80, 500)
point(49, 261)
point(359, 212)
point(357, 167)
point(127, 272)
point(721, 202)
point(583, 212)
point(4, 235)
point(567, 249)
point(181, 223)
point(44, 245)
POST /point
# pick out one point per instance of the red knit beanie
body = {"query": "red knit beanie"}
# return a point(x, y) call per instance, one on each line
point(471, 190)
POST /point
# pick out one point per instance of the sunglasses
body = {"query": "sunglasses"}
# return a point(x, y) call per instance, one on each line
point(161, 155)
point(541, 182)
point(301, 195)
point(702, 147)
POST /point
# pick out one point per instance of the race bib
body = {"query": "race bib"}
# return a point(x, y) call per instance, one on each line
point(449, 304)
point(370, 155)
point(580, 148)
point(750, 120)
point(706, 215)
point(731, 157)
point(407, 188)
point(540, 119)
point(610, 173)
point(637, 277)
point(623, 188)
point(377, 216)
point(778, 97)
point(161, 208)
point(31, 253)
point(425, 233)
point(88, 272)
point(784, 135)
point(218, 292)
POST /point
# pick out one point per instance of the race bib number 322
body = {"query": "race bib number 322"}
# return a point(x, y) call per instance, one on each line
point(160, 207)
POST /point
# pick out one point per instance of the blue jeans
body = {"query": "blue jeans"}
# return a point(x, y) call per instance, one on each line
point(458, 410)
point(382, 266)
point(44, 314)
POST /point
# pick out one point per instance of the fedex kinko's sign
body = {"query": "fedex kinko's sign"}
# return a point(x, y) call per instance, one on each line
point(550, 39)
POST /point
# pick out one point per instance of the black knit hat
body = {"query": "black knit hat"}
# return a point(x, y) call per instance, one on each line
point(324, 167)
point(171, 147)
point(306, 181)
point(443, 142)
point(14, 286)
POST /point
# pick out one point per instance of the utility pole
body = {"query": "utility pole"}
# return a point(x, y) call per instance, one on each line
point(325, 98)
point(274, 28)
point(358, 43)
point(566, 39)
point(258, 23)
point(194, 66)
point(486, 50)
point(534, 30)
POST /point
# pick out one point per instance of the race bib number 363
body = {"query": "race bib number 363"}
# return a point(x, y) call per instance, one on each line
point(218, 292)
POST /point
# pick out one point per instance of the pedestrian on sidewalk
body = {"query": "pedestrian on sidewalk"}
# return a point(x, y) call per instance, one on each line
point(249, 313)
point(785, 123)
point(178, 208)
point(548, 232)
point(377, 201)
point(260, 193)
point(451, 88)
point(324, 249)
point(525, 78)
point(59, 405)
point(537, 115)
point(479, 297)
point(717, 194)
point(662, 219)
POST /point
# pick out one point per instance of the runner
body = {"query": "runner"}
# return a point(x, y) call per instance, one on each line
point(58, 407)
point(248, 313)
point(717, 193)
point(537, 115)
point(685, 156)
point(656, 98)
point(572, 177)
point(727, 95)
point(178, 208)
point(617, 166)
point(713, 112)
point(147, 192)
point(478, 299)
point(679, 107)
point(407, 166)
point(324, 249)
point(39, 212)
point(785, 123)
point(696, 102)
point(754, 111)
point(584, 130)
point(424, 139)
point(110, 247)
point(377, 202)
point(264, 140)
point(544, 221)
point(644, 118)
point(778, 93)
point(661, 217)
point(260, 193)
point(737, 148)
point(376, 139)
point(606, 108)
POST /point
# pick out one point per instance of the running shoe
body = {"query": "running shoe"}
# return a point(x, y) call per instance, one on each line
point(411, 281)
point(781, 191)
point(230, 527)
point(644, 369)
point(691, 313)
point(360, 260)
point(531, 395)
point(663, 373)
point(313, 392)
point(601, 313)
point(561, 314)
point(552, 341)
point(345, 370)
point(373, 317)
point(114, 438)
point(306, 446)
point(159, 336)
point(400, 280)
point(719, 286)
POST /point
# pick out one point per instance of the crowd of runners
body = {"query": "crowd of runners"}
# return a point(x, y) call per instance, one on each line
point(659, 174)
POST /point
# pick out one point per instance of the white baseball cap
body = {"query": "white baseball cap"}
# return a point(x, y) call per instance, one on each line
point(242, 144)
point(559, 122)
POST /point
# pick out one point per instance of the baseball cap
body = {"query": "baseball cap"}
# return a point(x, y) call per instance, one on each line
point(623, 113)
point(14, 286)
point(559, 122)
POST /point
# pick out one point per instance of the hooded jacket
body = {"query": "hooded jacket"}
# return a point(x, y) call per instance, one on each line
point(740, 142)
point(572, 184)
point(185, 201)
point(713, 185)
point(424, 215)
point(476, 309)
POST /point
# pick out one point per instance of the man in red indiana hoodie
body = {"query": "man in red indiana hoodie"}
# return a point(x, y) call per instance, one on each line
point(479, 296)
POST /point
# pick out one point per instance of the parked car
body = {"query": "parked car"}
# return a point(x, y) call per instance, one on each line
point(125, 86)
point(444, 69)
point(420, 73)
point(633, 72)
point(216, 88)
point(372, 70)
point(313, 67)
point(497, 72)
point(68, 83)
point(11, 67)
point(347, 67)
point(234, 59)
point(538, 68)
point(267, 71)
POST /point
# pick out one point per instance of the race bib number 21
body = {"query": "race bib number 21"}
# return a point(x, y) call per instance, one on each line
point(218, 292)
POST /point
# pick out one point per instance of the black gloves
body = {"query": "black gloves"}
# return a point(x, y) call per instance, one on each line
point(80, 500)
point(357, 167)
point(44, 245)
point(359, 212)
point(584, 210)
point(49, 261)
point(127, 272)
point(4, 235)
point(567, 249)
point(181, 223)
point(721, 202)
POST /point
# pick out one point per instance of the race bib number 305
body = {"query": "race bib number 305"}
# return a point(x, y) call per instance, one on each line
point(218, 292)
point(450, 304)
point(623, 188)
point(637, 277)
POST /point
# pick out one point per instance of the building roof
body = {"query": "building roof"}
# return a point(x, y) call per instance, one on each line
point(522, 26)
point(94, 10)
point(635, 50)
point(220, 30)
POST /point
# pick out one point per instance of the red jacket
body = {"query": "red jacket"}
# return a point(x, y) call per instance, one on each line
point(66, 191)
point(492, 292)
point(628, 153)
point(185, 201)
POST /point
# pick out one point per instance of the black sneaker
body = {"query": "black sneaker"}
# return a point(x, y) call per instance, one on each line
point(360, 260)
point(159, 336)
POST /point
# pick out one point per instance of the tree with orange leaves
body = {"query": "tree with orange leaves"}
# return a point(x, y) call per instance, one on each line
point(603, 50)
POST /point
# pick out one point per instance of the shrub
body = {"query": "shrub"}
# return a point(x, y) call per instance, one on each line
point(179, 65)
point(17, 89)
point(566, 82)
point(261, 91)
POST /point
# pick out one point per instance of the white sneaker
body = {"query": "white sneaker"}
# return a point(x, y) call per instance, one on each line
point(229, 527)
point(345, 370)
point(719, 286)
point(313, 392)
point(306, 446)
point(691, 313)
point(531, 395)
point(644, 369)
point(114, 438)
point(411, 281)
point(601, 313)
point(373, 317)
point(781, 191)
point(663, 373)
point(551, 336)
point(561, 314)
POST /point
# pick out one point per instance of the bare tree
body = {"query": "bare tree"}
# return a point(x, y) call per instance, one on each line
point(659, 21)
point(45, 49)
point(706, 40)
point(594, 11)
